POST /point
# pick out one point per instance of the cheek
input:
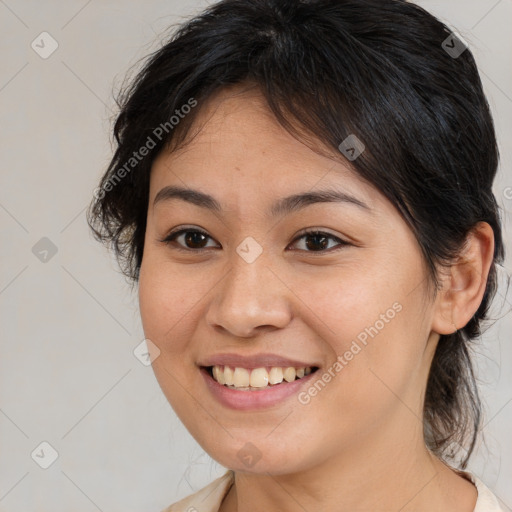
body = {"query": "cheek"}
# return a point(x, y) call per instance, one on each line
point(377, 333)
point(169, 298)
point(354, 303)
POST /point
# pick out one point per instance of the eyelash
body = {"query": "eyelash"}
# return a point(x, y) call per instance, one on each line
point(308, 232)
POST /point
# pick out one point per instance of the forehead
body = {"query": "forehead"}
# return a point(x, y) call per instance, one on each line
point(236, 147)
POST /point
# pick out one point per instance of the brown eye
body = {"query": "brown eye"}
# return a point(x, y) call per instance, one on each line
point(196, 239)
point(318, 241)
point(193, 239)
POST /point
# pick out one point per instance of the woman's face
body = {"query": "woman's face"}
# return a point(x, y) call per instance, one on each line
point(351, 302)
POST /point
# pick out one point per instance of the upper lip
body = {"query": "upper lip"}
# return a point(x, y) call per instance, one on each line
point(254, 361)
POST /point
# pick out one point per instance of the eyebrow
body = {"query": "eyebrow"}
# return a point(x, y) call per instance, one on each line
point(281, 207)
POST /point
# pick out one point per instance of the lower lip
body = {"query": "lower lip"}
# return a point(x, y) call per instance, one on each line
point(251, 400)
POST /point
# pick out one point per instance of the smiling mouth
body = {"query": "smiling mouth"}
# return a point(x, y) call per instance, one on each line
point(244, 379)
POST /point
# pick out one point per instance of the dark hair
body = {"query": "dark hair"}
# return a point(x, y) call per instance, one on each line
point(377, 69)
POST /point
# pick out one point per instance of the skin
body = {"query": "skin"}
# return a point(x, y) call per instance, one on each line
point(358, 444)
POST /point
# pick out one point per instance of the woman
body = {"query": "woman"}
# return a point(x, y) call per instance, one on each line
point(303, 193)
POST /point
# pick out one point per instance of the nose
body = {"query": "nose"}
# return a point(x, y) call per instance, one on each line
point(252, 297)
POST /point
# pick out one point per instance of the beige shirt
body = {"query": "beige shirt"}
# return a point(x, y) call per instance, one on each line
point(209, 498)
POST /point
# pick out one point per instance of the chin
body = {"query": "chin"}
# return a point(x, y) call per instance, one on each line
point(262, 460)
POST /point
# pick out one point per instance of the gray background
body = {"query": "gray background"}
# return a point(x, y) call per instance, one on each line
point(68, 375)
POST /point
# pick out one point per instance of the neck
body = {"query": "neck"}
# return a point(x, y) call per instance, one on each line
point(403, 476)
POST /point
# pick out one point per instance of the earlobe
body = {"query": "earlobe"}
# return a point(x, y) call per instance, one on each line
point(465, 282)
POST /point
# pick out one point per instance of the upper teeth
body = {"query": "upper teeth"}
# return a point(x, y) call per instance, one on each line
point(258, 377)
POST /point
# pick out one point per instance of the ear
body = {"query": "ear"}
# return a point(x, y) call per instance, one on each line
point(465, 281)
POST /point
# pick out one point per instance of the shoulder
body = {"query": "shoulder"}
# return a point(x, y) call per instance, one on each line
point(207, 499)
point(486, 501)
